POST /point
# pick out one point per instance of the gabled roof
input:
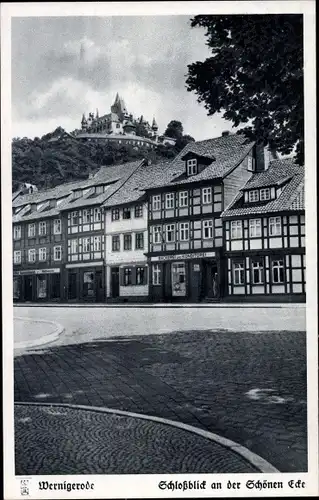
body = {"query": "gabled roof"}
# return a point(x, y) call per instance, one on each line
point(226, 153)
point(290, 198)
point(48, 194)
point(133, 190)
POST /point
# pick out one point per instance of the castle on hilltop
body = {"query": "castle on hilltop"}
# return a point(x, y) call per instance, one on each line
point(119, 126)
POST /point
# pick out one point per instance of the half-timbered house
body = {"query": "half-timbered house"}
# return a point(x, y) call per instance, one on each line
point(265, 236)
point(185, 228)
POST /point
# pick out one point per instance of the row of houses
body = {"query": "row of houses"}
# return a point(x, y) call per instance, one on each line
point(224, 220)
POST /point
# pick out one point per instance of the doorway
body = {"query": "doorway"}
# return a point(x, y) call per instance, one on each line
point(178, 279)
point(115, 282)
point(210, 280)
point(28, 288)
point(72, 288)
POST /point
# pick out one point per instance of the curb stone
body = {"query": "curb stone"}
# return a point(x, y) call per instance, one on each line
point(170, 306)
point(255, 460)
point(41, 341)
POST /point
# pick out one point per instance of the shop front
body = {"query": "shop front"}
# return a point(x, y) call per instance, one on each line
point(85, 284)
point(191, 277)
point(36, 285)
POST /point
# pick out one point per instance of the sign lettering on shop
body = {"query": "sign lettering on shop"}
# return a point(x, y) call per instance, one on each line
point(37, 271)
point(185, 256)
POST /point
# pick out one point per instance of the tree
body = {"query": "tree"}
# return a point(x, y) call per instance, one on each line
point(174, 129)
point(254, 76)
point(182, 141)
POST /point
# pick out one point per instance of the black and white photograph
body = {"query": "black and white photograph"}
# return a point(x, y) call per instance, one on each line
point(159, 204)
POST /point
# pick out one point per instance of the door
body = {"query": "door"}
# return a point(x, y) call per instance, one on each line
point(72, 286)
point(28, 288)
point(178, 279)
point(210, 280)
point(99, 286)
point(89, 285)
point(115, 282)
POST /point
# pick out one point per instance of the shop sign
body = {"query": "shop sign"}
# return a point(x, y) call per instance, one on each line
point(37, 271)
point(184, 256)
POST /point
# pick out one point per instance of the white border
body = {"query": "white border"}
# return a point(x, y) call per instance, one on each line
point(147, 485)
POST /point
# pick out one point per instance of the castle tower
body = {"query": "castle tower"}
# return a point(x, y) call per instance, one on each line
point(154, 129)
point(84, 122)
point(119, 107)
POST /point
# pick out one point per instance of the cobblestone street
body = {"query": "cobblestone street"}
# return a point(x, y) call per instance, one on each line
point(248, 386)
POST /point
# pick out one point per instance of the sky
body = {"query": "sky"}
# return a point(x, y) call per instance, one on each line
point(145, 59)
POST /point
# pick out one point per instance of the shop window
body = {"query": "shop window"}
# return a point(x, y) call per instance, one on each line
point(86, 216)
point(116, 243)
point(236, 227)
point(277, 271)
point(254, 228)
point(17, 232)
point(184, 231)
point(169, 200)
point(57, 253)
point(178, 279)
point(140, 275)
point(115, 214)
point(191, 167)
point(139, 241)
point(88, 284)
point(31, 255)
point(183, 199)
point(156, 274)
point(238, 273)
point(41, 287)
point(42, 254)
point(31, 230)
point(16, 287)
point(207, 229)
point(274, 226)
point(127, 242)
point(207, 195)
point(170, 233)
point(257, 272)
point(42, 228)
point(17, 257)
point(127, 276)
point(156, 202)
point(57, 226)
point(86, 245)
point(138, 211)
point(97, 215)
point(126, 213)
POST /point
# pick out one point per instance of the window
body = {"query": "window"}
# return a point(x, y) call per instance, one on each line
point(99, 189)
point(169, 200)
point(184, 231)
point(257, 272)
point(127, 242)
point(207, 195)
point(140, 275)
point(74, 246)
point(17, 257)
point(17, 232)
point(115, 214)
point(31, 255)
point(77, 194)
point(97, 215)
point(192, 167)
point(126, 213)
point(127, 276)
point(255, 228)
point(236, 229)
point(207, 229)
point(250, 164)
point(57, 226)
point(42, 254)
point(157, 234)
point(253, 195)
point(138, 211)
point(86, 216)
point(156, 274)
point(277, 269)
point(42, 228)
point(170, 233)
point(31, 230)
point(116, 244)
point(86, 245)
point(183, 199)
point(264, 194)
point(57, 253)
point(97, 243)
point(274, 226)
point(156, 202)
point(74, 218)
point(139, 241)
point(238, 273)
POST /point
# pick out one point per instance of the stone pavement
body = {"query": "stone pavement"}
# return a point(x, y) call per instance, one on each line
point(249, 387)
point(112, 444)
point(28, 329)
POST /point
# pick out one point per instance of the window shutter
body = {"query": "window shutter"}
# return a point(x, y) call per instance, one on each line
point(121, 272)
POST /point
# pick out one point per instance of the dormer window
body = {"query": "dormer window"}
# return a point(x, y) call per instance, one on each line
point(191, 166)
point(264, 194)
point(253, 195)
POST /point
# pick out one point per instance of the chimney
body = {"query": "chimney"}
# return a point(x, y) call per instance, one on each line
point(225, 133)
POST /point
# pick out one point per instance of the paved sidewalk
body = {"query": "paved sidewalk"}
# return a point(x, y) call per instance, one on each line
point(31, 332)
point(249, 387)
point(77, 441)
